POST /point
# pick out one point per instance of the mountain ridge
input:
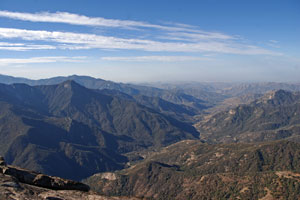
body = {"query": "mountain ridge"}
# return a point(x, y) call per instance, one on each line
point(77, 126)
point(273, 116)
point(96, 83)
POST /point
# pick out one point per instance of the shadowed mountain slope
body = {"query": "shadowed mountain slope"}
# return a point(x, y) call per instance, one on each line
point(83, 130)
point(130, 89)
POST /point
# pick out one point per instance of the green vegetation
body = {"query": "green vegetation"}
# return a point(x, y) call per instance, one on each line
point(192, 170)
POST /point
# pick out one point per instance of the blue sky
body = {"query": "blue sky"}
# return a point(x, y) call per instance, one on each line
point(157, 40)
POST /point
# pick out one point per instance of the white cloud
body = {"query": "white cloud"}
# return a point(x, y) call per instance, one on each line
point(198, 36)
point(69, 40)
point(34, 60)
point(172, 37)
point(11, 44)
point(23, 47)
point(75, 19)
point(155, 58)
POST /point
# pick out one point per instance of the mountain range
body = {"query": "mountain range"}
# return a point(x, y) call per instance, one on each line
point(195, 95)
point(100, 84)
point(84, 130)
point(156, 141)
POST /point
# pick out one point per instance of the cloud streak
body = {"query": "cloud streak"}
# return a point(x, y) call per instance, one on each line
point(185, 36)
point(75, 19)
point(24, 47)
point(170, 38)
point(36, 60)
point(155, 58)
point(70, 40)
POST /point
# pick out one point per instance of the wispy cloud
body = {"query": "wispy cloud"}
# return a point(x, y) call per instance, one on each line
point(198, 36)
point(273, 43)
point(172, 37)
point(75, 19)
point(155, 58)
point(69, 40)
point(24, 47)
point(34, 60)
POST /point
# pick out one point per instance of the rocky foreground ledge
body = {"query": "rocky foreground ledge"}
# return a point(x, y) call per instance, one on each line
point(21, 184)
point(41, 180)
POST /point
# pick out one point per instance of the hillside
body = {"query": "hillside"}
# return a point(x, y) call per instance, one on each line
point(274, 116)
point(84, 130)
point(180, 112)
point(193, 170)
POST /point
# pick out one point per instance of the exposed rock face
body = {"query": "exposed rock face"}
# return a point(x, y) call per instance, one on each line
point(41, 180)
point(20, 184)
point(11, 189)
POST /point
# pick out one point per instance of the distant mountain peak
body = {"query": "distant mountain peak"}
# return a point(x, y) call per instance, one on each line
point(277, 96)
point(279, 93)
point(75, 76)
point(272, 117)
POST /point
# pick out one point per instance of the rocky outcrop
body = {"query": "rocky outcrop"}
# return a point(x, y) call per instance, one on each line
point(20, 184)
point(12, 189)
point(41, 180)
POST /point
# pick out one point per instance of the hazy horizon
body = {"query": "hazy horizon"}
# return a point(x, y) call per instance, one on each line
point(174, 82)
